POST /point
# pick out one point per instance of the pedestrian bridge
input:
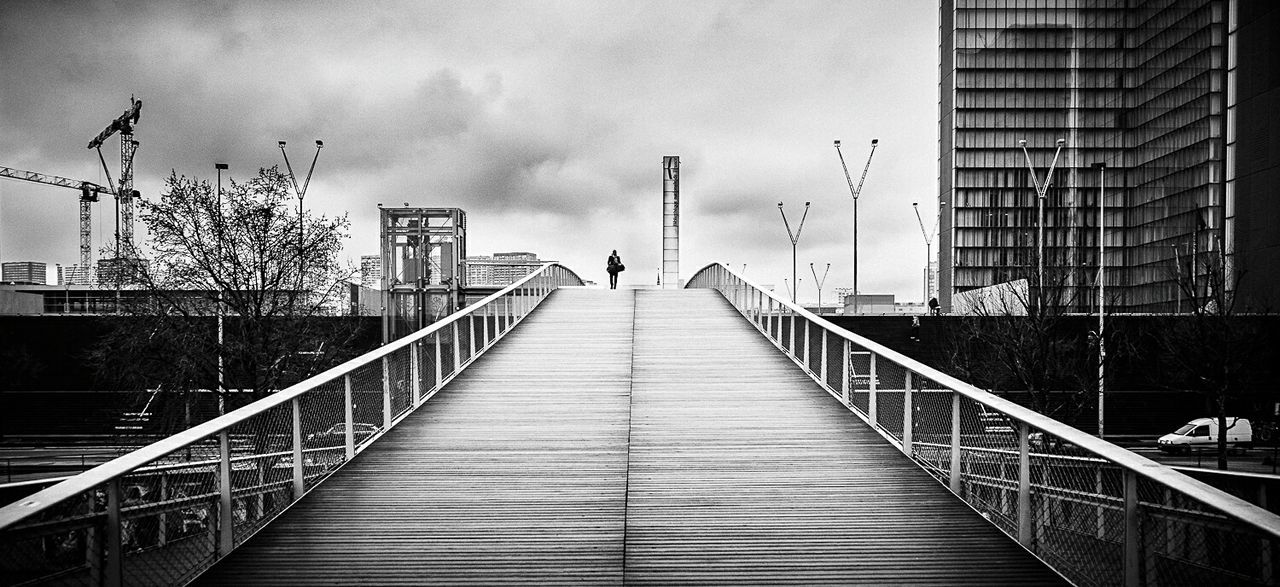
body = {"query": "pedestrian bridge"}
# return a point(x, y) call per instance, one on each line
point(558, 434)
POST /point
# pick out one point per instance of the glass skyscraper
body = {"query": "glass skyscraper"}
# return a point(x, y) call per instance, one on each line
point(1148, 89)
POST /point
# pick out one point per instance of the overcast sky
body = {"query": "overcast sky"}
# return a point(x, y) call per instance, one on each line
point(546, 121)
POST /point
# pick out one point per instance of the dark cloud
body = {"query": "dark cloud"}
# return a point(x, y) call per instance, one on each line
point(546, 122)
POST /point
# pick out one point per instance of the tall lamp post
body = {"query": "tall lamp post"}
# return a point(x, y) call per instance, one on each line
point(222, 407)
point(1102, 288)
point(928, 244)
point(795, 239)
point(855, 192)
point(819, 282)
point(302, 192)
point(1041, 190)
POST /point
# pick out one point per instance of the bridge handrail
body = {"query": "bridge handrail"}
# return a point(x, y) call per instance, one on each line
point(1042, 453)
point(503, 309)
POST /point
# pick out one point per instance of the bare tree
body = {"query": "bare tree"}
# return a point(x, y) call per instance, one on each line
point(227, 296)
point(1018, 337)
point(1215, 350)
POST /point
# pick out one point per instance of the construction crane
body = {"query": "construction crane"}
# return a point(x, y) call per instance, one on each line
point(855, 192)
point(88, 195)
point(125, 193)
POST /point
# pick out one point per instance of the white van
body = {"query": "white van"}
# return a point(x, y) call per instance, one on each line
point(1203, 433)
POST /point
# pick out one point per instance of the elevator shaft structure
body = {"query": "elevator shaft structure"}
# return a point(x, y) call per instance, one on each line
point(671, 222)
point(423, 251)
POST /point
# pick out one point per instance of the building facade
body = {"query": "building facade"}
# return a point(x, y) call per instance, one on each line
point(23, 272)
point(1165, 104)
point(501, 269)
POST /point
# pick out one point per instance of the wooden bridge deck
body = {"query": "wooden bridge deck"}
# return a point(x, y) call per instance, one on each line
point(639, 437)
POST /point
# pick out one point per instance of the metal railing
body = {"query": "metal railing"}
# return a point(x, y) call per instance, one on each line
point(166, 512)
point(1094, 512)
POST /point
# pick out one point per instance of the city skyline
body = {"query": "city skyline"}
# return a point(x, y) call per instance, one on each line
point(547, 125)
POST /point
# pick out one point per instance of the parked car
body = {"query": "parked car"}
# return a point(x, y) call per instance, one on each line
point(1203, 433)
point(336, 434)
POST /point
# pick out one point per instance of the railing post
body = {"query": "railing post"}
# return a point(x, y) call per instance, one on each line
point(114, 568)
point(348, 412)
point(471, 324)
point(485, 325)
point(872, 387)
point(163, 531)
point(386, 394)
point(1025, 532)
point(299, 485)
point(1132, 538)
point(844, 378)
point(908, 412)
point(805, 346)
point(439, 370)
point(822, 361)
point(415, 372)
point(226, 521)
point(457, 347)
point(791, 332)
point(955, 442)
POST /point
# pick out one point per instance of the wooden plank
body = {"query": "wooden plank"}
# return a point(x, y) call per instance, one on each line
point(742, 470)
point(515, 473)
point(587, 447)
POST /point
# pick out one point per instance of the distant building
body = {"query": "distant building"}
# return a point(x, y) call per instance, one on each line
point(501, 268)
point(76, 275)
point(371, 272)
point(1177, 99)
point(120, 271)
point(870, 304)
point(23, 272)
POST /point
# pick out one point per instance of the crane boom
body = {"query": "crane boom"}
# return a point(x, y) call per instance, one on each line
point(125, 194)
point(88, 195)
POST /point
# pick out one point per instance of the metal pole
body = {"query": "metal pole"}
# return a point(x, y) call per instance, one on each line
point(1041, 190)
point(795, 240)
point(1102, 285)
point(221, 372)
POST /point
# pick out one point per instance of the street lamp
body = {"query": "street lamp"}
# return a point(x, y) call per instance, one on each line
point(1102, 285)
point(928, 244)
point(1041, 190)
point(855, 192)
point(820, 282)
point(301, 193)
point(795, 239)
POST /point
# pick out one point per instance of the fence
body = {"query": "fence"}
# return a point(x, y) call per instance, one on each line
point(1096, 513)
point(166, 512)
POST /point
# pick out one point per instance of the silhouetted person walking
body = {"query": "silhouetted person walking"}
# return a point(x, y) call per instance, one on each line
point(615, 267)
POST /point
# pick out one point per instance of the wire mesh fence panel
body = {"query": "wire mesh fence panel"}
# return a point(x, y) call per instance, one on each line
point(784, 332)
point(891, 382)
point(261, 468)
point(400, 372)
point(366, 401)
point(860, 377)
point(66, 541)
point(835, 360)
point(446, 350)
point(463, 326)
point(1184, 542)
point(426, 353)
point(813, 350)
point(931, 427)
point(989, 465)
point(323, 419)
